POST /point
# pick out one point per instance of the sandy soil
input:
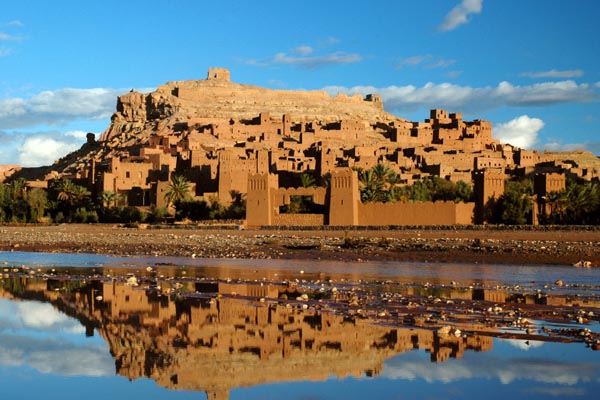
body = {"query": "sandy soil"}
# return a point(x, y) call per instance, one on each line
point(486, 246)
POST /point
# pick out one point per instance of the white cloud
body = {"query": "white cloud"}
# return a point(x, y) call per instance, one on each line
point(428, 61)
point(459, 15)
point(521, 131)
point(4, 51)
point(44, 149)
point(553, 73)
point(58, 106)
point(308, 62)
point(401, 99)
point(414, 60)
point(76, 134)
point(304, 56)
point(454, 74)
point(6, 37)
point(15, 23)
point(558, 146)
point(303, 50)
point(330, 41)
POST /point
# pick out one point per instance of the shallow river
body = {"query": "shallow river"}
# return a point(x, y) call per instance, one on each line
point(78, 326)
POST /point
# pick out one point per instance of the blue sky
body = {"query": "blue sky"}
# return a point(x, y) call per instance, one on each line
point(531, 67)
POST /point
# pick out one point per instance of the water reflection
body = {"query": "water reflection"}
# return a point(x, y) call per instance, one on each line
point(217, 335)
point(216, 344)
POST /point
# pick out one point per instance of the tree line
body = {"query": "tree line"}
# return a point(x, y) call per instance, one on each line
point(65, 201)
point(578, 204)
point(382, 184)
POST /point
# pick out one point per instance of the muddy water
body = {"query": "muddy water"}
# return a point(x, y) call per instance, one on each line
point(75, 325)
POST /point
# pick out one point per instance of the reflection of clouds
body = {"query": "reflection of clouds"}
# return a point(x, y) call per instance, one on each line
point(36, 315)
point(35, 335)
point(410, 366)
point(524, 344)
point(52, 356)
point(557, 391)
point(44, 316)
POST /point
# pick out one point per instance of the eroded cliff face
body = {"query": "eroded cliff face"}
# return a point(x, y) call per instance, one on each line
point(181, 101)
point(134, 112)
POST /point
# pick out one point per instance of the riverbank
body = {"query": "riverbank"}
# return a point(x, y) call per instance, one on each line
point(486, 246)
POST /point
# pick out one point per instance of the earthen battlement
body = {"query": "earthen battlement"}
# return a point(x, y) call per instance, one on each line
point(221, 74)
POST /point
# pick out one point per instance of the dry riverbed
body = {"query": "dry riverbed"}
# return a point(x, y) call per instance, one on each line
point(464, 245)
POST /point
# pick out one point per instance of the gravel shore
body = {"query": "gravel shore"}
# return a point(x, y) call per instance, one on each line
point(486, 246)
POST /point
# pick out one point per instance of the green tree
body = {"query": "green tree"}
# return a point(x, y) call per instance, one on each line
point(178, 191)
point(18, 209)
point(307, 180)
point(37, 201)
point(555, 202)
point(109, 199)
point(81, 196)
point(66, 191)
point(71, 197)
point(377, 184)
point(582, 203)
point(515, 205)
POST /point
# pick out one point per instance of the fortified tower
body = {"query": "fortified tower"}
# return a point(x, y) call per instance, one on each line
point(343, 205)
point(221, 74)
point(488, 185)
point(259, 204)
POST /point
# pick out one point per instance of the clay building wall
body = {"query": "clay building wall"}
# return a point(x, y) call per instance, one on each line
point(299, 219)
point(446, 135)
point(548, 183)
point(420, 213)
point(295, 164)
point(233, 175)
point(364, 162)
point(125, 175)
point(479, 128)
point(526, 158)
point(484, 162)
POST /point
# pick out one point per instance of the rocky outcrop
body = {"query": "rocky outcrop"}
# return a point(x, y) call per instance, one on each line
point(222, 99)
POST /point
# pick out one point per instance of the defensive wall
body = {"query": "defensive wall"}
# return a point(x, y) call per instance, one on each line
point(342, 200)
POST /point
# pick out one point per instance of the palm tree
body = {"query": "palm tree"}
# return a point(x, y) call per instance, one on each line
point(307, 180)
point(582, 200)
point(109, 199)
point(371, 186)
point(80, 195)
point(66, 191)
point(18, 188)
point(555, 202)
point(179, 189)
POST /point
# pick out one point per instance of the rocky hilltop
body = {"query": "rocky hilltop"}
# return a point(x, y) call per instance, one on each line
point(217, 98)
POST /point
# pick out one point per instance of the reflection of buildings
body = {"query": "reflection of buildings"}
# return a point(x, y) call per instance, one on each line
point(215, 344)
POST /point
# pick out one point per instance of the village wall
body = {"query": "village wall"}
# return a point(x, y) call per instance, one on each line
point(299, 219)
point(420, 213)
